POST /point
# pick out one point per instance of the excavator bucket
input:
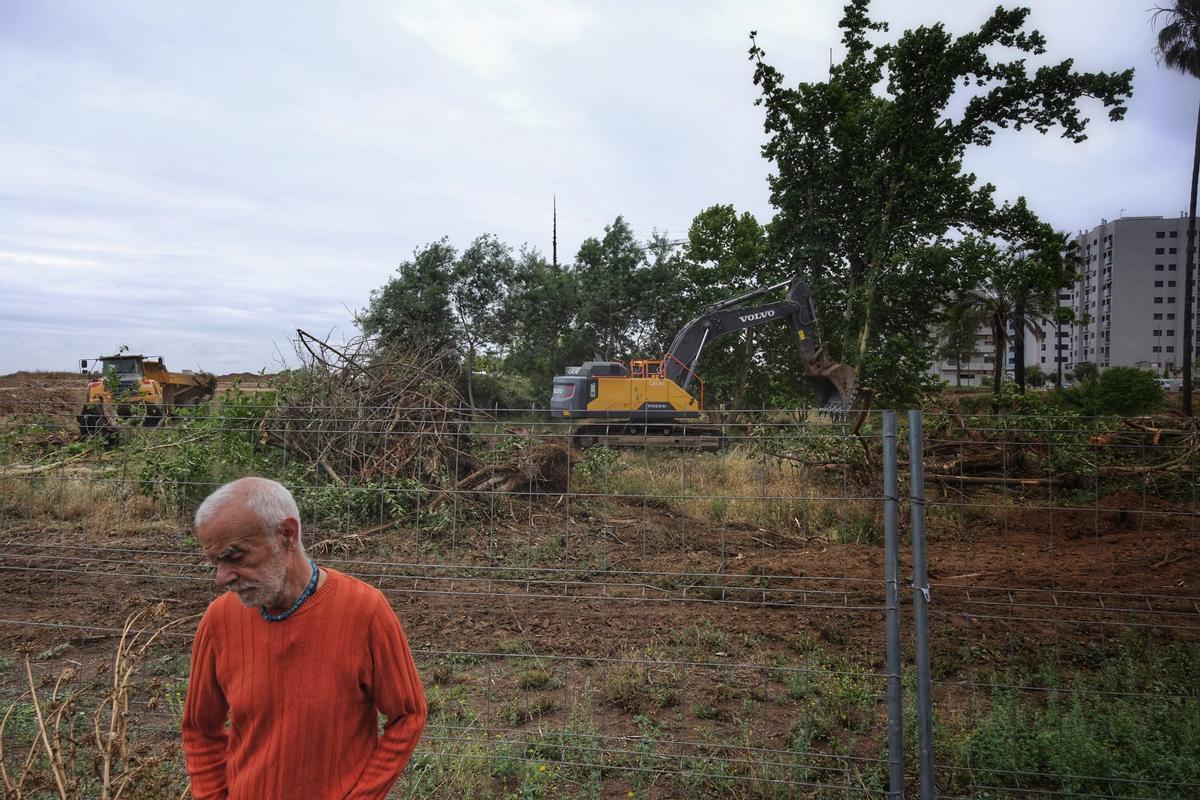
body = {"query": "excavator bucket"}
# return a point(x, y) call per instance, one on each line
point(835, 387)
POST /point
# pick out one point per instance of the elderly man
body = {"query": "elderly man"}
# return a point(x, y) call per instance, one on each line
point(286, 684)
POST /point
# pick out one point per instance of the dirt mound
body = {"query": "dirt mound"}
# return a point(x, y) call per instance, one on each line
point(41, 393)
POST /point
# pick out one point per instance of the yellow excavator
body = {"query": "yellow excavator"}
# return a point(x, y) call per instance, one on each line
point(127, 388)
point(659, 401)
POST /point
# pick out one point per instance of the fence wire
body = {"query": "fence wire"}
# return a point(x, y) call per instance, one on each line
point(650, 621)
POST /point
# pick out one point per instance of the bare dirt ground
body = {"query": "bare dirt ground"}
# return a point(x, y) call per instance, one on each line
point(649, 615)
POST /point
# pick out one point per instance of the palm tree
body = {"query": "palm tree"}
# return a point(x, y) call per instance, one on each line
point(1179, 48)
point(958, 334)
point(1013, 295)
point(1032, 278)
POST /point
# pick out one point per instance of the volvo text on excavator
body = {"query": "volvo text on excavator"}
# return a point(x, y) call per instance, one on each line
point(660, 401)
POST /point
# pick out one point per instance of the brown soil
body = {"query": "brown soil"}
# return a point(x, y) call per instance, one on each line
point(715, 608)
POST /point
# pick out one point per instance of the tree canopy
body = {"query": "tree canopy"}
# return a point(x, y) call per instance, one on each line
point(870, 185)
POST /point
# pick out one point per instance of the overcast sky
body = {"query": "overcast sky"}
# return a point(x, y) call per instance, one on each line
point(199, 179)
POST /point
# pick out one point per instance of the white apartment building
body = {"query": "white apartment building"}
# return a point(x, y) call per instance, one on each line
point(1129, 302)
point(1128, 305)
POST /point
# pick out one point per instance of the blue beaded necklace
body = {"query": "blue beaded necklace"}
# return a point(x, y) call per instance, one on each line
point(308, 590)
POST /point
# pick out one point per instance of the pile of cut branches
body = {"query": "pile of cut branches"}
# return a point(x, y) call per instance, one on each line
point(366, 412)
point(369, 413)
point(1063, 451)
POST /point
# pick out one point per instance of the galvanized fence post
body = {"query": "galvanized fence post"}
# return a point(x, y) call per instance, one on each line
point(916, 467)
point(891, 568)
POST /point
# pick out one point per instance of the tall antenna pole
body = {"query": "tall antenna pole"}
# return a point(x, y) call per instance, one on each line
point(554, 235)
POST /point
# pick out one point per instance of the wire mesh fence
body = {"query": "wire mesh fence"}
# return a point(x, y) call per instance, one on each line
point(654, 621)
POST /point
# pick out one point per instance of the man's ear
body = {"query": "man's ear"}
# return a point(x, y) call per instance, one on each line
point(289, 529)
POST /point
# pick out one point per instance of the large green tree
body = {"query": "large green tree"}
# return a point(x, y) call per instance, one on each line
point(610, 274)
point(480, 281)
point(413, 309)
point(726, 256)
point(1179, 48)
point(869, 181)
point(539, 321)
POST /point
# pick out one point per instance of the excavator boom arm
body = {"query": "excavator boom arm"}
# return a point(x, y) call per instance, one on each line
point(833, 384)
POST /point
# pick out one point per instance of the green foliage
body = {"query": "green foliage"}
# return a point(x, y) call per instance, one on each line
point(337, 506)
point(1126, 391)
point(599, 464)
point(1139, 729)
point(869, 181)
point(508, 390)
point(1085, 373)
point(183, 463)
point(412, 310)
point(615, 285)
point(1117, 390)
point(726, 256)
point(538, 322)
point(112, 381)
point(480, 281)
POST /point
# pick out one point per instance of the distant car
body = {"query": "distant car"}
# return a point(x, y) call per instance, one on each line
point(1171, 384)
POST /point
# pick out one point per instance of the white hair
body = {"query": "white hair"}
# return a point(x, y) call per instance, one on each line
point(269, 500)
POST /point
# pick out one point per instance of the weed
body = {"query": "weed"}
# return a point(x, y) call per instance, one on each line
point(537, 678)
point(1129, 743)
point(627, 686)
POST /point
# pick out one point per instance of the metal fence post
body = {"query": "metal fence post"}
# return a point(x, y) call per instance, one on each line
point(916, 467)
point(891, 562)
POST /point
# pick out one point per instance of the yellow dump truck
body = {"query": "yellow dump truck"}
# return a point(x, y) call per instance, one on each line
point(125, 389)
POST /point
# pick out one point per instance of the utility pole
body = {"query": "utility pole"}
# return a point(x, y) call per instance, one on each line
point(554, 236)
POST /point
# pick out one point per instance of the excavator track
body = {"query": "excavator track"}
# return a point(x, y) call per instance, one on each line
point(706, 438)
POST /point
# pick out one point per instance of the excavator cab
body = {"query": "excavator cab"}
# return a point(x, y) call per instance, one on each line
point(645, 368)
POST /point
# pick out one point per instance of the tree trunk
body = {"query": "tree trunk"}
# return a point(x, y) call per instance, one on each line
point(470, 370)
point(1058, 353)
point(744, 378)
point(998, 349)
point(1019, 345)
point(1189, 282)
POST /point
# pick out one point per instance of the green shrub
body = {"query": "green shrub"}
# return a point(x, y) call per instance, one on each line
point(181, 464)
point(1117, 390)
point(1126, 391)
point(505, 391)
point(1126, 730)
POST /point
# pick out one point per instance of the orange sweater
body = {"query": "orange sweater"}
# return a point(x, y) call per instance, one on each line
point(300, 697)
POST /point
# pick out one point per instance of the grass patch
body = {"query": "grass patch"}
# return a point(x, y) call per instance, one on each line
point(1127, 729)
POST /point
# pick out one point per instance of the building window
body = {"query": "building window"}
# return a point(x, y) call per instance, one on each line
point(1158, 251)
point(1171, 315)
point(1171, 251)
point(1158, 267)
point(1156, 332)
point(1158, 316)
point(1170, 267)
point(1170, 348)
point(1174, 234)
point(1156, 349)
point(1158, 284)
point(1160, 235)
point(1158, 300)
point(1170, 331)
point(1170, 299)
point(1043, 359)
point(1170, 284)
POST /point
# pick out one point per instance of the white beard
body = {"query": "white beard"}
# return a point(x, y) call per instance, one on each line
point(269, 585)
